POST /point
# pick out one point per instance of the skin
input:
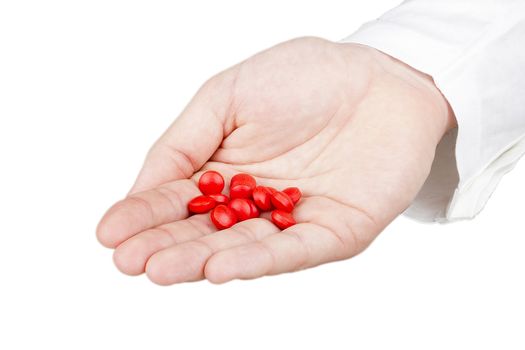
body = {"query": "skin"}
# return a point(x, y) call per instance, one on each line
point(353, 128)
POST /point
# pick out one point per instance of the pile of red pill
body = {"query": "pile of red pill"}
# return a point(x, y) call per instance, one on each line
point(246, 201)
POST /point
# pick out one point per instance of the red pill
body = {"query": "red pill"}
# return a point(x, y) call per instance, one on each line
point(223, 217)
point(220, 198)
point(282, 219)
point(262, 197)
point(294, 193)
point(271, 189)
point(242, 179)
point(282, 201)
point(241, 191)
point(201, 204)
point(254, 210)
point(241, 208)
point(241, 186)
point(211, 182)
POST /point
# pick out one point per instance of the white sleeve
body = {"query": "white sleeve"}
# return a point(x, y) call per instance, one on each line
point(475, 51)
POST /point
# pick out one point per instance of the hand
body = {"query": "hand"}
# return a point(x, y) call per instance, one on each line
point(353, 128)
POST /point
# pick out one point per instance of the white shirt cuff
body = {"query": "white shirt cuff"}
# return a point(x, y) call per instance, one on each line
point(475, 52)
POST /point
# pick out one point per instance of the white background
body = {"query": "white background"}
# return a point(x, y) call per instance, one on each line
point(86, 87)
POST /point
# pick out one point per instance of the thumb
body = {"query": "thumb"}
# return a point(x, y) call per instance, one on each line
point(192, 138)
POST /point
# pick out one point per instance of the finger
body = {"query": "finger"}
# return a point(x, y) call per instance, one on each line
point(145, 210)
point(304, 245)
point(192, 138)
point(185, 262)
point(131, 256)
point(324, 233)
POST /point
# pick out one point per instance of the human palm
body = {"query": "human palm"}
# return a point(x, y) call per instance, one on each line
point(354, 129)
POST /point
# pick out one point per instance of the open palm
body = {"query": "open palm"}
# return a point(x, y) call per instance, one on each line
point(354, 129)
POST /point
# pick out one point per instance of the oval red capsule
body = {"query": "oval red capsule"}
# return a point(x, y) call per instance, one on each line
point(211, 182)
point(241, 186)
point(282, 219)
point(220, 198)
point(271, 189)
point(241, 191)
point(223, 217)
point(242, 179)
point(241, 208)
point(262, 197)
point(254, 213)
point(294, 193)
point(201, 204)
point(282, 201)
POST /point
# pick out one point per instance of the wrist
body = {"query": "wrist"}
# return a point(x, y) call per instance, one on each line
point(440, 115)
point(444, 115)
